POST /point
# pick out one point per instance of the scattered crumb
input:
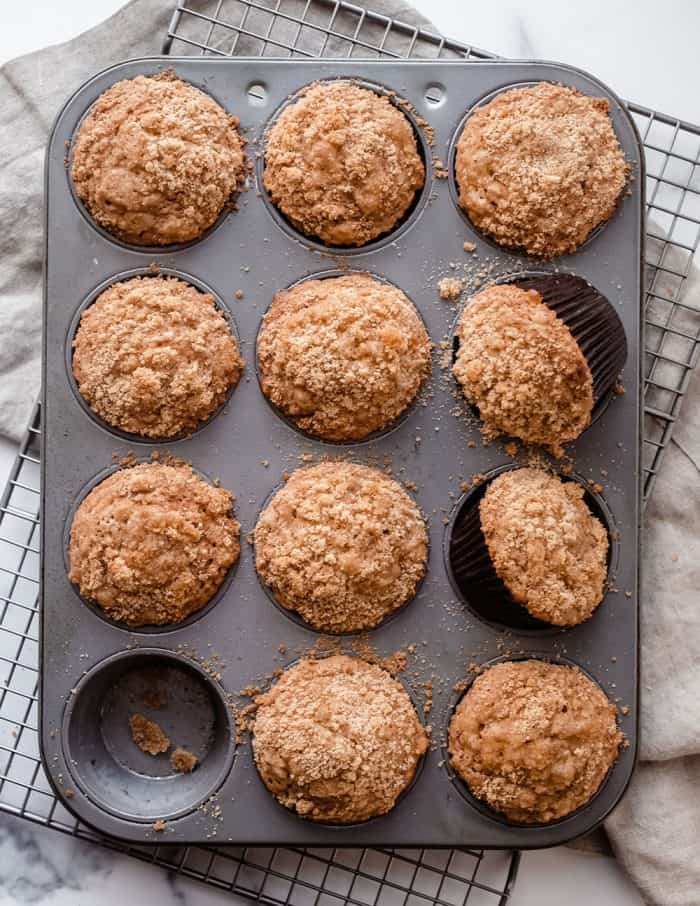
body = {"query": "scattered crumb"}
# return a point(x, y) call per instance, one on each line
point(239, 294)
point(469, 246)
point(449, 288)
point(147, 735)
point(183, 761)
point(158, 826)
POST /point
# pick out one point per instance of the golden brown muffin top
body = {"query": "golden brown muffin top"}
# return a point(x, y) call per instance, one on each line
point(342, 356)
point(337, 739)
point(156, 160)
point(533, 740)
point(151, 544)
point(341, 544)
point(519, 363)
point(154, 356)
point(540, 167)
point(545, 544)
point(342, 164)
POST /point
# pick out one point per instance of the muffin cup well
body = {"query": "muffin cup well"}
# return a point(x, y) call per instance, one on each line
point(473, 574)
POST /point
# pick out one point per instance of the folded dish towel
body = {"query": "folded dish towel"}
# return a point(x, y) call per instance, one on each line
point(656, 828)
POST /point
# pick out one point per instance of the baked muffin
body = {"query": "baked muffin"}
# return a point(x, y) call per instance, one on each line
point(523, 369)
point(533, 740)
point(341, 544)
point(154, 356)
point(151, 544)
point(342, 356)
point(342, 163)
point(545, 544)
point(538, 168)
point(337, 739)
point(156, 160)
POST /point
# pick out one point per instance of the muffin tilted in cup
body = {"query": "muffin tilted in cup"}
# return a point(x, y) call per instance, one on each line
point(533, 740)
point(342, 163)
point(156, 160)
point(337, 739)
point(539, 168)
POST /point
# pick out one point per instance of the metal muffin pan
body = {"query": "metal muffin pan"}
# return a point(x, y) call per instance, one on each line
point(92, 669)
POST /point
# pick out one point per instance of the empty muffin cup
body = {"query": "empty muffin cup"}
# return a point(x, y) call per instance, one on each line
point(148, 736)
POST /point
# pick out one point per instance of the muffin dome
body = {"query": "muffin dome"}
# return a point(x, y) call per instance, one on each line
point(154, 356)
point(342, 356)
point(342, 164)
point(341, 544)
point(545, 544)
point(156, 160)
point(337, 739)
point(151, 544)
point(533, 740)
point(521, 366)
point(538, 168)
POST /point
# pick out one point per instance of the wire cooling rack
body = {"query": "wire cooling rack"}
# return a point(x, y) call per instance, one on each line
point(329, 877)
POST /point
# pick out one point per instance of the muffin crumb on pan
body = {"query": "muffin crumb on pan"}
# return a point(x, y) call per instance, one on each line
point(337, 739)
point(540, 167)
point(533, 740)
point(523, 369)
point(342, 356)
point(154, 356)
point(156, 160)
point(151, 544)
point(545, 544)
point(341, 544)
point(342, 163)
point(148, 735)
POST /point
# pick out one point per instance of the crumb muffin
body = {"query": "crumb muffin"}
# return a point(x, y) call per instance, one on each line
point(342, 163)
point(538, 168)
point(545, 544)
point(337, 739)
point(533, 740)
point(154, 356)
point(342, 356)
point(523, 369)
point(341, 544)
point(156, 160)
point(152, 543)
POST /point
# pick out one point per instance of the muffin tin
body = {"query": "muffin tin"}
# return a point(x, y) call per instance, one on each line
point(95, 673)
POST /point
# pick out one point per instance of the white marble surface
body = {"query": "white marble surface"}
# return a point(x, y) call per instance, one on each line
point(647, 52)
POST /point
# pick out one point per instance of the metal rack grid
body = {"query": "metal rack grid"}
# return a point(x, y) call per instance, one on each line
point(328, 877)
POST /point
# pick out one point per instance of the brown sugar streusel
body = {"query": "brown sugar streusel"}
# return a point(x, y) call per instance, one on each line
point(156, 160)
point(342, 164)
point(545, 544)
point(341, 544)
point(533, 740)
point(342, 356)
point(523, 369)
point(148, 735)
point(337, 739)
point(151, 544)
point(540, 167)
point(154, 356)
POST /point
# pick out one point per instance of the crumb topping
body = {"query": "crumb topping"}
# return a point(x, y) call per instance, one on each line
point(147, 735)
point(156, 160)
point(342, 356)
point(337, 739)
point(154, 356)
point(533, 740)
point(341, 162)
point(521, 366)
point(341, 544)
point(152, 543)
point(450, 288)
point(540, 167)
point(183, 761)
point(545, 544)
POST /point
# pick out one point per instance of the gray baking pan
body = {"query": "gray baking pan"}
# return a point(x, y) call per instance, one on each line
point(96, 674)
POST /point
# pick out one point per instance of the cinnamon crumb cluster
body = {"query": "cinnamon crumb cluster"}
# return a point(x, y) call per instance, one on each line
point(156, 160)
point(337, 739)
point(342, 163)
point(539, 167)
point(342, 356)
point(545, 544)
point(534, 740)
point(341, 544)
